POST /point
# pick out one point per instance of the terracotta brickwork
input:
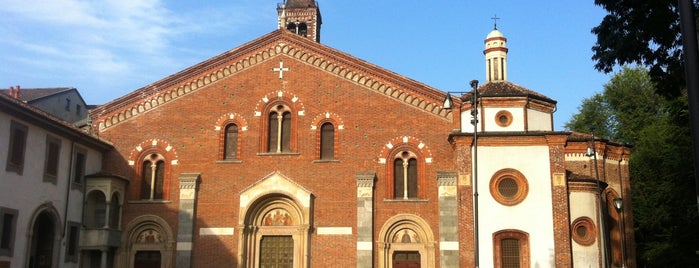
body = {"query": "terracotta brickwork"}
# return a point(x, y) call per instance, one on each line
point(377, 117)
point(370, 120)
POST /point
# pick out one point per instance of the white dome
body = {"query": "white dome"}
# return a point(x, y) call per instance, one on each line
point(494, 33)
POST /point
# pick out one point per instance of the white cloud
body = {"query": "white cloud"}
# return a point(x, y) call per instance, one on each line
point(100, 46)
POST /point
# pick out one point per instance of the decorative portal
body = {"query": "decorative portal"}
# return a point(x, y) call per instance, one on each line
point(146, 242)
point(149, 236)
point(277, 217)
point(406, 236)
point(274, 224)
point(406, 240)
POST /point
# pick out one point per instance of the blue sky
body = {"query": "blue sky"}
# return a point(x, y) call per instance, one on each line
point(109, 48)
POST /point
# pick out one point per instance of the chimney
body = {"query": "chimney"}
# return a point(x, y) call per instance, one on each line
point(17, 92)
point(12, 92)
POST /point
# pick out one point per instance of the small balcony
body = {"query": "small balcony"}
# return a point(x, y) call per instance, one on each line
point(91, 238)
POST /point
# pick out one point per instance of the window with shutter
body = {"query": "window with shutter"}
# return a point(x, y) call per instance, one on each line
point(231, 142)
point(327, 141)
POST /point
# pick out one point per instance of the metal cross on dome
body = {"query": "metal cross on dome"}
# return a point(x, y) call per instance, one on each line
point(281, 69)
point(495, 21)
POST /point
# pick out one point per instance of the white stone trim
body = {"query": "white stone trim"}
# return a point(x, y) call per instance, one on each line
point(365, 246)
point(184, 246)
point(448, 245)
point(334, 231)
point(216, 231)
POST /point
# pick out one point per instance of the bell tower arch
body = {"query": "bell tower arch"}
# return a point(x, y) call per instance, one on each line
point(301, 17)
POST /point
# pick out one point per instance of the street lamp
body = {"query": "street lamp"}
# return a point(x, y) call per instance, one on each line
point(448, 105)
point(619, 206)
point(592, 152)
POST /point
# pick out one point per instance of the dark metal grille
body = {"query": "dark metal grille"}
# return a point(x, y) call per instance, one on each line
point(509, 254)
point(508, 187)
point(276, 252)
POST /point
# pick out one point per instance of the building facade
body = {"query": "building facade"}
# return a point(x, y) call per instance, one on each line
point(284, 152)
point(42, 183)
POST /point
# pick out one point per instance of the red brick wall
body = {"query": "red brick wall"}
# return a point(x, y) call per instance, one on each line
point(370, 119)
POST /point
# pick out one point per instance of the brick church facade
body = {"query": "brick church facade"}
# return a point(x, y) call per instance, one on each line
point(284, 152)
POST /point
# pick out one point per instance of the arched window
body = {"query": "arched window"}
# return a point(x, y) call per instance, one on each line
point(511, 249)
point(95, 210)
point(153, 177)
point(114, 212)
point(327, 141)
point(291, 27)
point(279, 135)
point(302, 29)
point(231, 142)
point(405, 175)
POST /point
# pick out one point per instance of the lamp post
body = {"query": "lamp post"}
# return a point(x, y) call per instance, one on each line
point(619, 206)
point(448, 105)
point(592, 152)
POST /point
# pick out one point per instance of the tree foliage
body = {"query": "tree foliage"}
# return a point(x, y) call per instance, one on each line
point(645, 33)
point(628, 103)
point(593, 113)
point(661, 169)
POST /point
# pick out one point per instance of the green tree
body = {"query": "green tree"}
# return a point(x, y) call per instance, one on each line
point(593, 113)
point(661, 169)
point(645, 33)
point(627, 104)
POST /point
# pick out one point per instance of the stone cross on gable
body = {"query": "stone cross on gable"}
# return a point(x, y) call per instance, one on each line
point(281, 69)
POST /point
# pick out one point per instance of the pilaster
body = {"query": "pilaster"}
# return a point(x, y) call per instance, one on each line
point(365, 219)
point(559, 196)
point(189, 183)
point(448, 219)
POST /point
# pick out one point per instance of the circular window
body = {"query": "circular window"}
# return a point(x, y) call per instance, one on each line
point(584, 231)
point(503, 118)
point(509, 187)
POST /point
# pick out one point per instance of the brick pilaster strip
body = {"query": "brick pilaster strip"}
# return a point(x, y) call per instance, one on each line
point(188, 196)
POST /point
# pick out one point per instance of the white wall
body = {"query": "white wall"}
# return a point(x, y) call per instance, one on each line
point(517, 119)
point(539, 121)
point(585, 256)
point(533, 215)
point(27, 192)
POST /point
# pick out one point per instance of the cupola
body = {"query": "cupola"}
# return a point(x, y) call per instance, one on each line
point(495, 56)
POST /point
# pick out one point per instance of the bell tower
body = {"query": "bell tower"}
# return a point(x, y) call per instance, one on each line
point(495, 56)
point(301, 17)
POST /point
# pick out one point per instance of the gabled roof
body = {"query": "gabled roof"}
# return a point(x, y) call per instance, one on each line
point(34, 115)
point(279, 42)
point(32, 94)
point(509, 89)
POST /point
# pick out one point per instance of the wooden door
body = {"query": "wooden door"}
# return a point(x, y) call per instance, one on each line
point(406, 259)
point(147, 259)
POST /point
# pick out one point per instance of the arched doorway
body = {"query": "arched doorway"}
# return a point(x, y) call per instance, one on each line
point(147, 243)
point(44, 238)
point(406, 241)
point(275, 224)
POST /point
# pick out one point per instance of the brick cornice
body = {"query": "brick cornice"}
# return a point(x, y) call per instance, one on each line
point(277, 43)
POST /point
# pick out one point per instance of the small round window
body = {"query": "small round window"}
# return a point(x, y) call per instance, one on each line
point(503, 118)
point(509, 187)
point(584, 231)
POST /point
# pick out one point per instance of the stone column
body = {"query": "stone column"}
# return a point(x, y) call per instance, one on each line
point(103, 257)
point(107, 212)
point(365, 219)
point(448, 219)
point(185, 231)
